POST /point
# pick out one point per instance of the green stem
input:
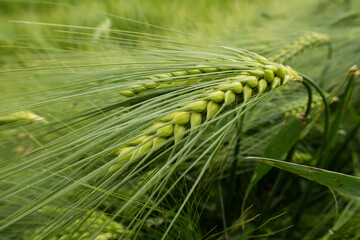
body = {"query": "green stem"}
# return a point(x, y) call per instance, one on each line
point(326, 105)
point(309, 187)
point(289, 156)
point(308, 108)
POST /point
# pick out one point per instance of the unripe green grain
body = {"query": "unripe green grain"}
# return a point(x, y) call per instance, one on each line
point(262, 86)
point(251, 81)
point(150, 85)
point(258, 73)
point(179, 73)
point(286, 79)
point(153, 128)
point(24, 117)
point(168, 117)
point(229, 97)
point(158, 142)
point(135, 152)
point(236, 87)
point(224, 68)
point(198, 106)
point(164, 85)
point(212, 109)
point(124, 150)
point(223, 86)
point(217, 96)
point(247, 93)
point(275, 83)
point(127, 93)
point(177, 83)
point(208, 70)
point(139, 140)
point(153, 77)
point(272, 68)
point(116, 166)
point(282, 72)
point(194, 71)
point(137, 88)
point(163, 75)
point(181, 118)
point(195, 119)
point(179, 131)
point(269, 75)
point(146, 146)
point(165, 131)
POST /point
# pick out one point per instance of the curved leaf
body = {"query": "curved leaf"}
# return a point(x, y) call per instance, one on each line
point(346, 185)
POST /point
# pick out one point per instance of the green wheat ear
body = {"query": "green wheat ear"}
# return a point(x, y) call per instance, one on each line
point(175, 126)
point(300, 107)
point(171, 79)
point(25, 117)
point(301, 44)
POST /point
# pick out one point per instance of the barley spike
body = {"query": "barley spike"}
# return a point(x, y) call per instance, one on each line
point(299, 45)
point(174, 126)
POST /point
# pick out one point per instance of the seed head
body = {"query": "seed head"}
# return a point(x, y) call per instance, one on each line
point(265, 78)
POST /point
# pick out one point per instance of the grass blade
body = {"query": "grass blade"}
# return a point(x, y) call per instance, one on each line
point(346, 185)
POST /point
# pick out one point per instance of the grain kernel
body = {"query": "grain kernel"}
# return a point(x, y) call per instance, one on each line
point(217, 96)
point(247, 93)
point(229, 97)
point(127, 93)
point(262, 86)
point(179, 132)
point(198, 106)
point(269, 75)
point(165, 131)
point(181, 118)
point(212, 109)
point(195, 119)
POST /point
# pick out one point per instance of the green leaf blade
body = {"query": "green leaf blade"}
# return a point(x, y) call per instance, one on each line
point(346, 185)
